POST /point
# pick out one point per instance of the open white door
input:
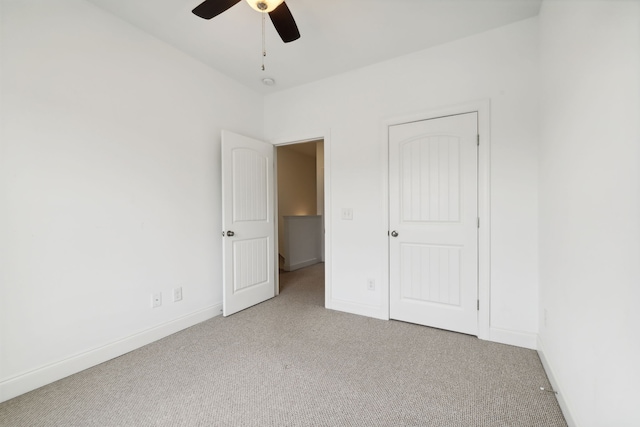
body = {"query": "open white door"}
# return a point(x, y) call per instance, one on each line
point(248, 222)
point(433, 243)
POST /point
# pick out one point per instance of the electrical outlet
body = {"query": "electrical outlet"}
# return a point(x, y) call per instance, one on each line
point(156, 300)
point(347, 214)
point(371, 284)
point(177, 294)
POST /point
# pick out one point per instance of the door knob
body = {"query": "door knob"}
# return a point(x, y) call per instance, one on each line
point(230, 233)
point(394, 233)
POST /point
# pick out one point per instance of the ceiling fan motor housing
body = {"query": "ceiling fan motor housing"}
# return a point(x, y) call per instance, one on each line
point(264, 6)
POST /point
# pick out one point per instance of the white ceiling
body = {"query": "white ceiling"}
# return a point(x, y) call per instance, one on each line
point(336, 35)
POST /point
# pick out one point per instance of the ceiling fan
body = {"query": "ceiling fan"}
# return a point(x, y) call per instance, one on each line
point(277, 9)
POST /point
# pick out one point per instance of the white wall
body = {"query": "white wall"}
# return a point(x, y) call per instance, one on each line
point(302, 237)
point(110, 188)
point(590, 208)
point(501, 65)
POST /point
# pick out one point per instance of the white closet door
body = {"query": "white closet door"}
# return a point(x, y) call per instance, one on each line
point(433, 243)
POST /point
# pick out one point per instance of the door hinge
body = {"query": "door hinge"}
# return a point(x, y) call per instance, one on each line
point(478, 305)
point(478, 222)
point(478, 140)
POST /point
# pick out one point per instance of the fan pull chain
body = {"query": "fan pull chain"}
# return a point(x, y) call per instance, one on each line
point(264, 46)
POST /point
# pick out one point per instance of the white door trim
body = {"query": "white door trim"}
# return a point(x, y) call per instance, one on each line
point(483, 108)
point(308, 137)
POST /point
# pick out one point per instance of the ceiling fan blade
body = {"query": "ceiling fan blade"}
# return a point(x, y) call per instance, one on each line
point(210, 8)
point(285, 24)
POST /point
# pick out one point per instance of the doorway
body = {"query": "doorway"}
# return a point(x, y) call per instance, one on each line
point(250, 219)
point(300, 205)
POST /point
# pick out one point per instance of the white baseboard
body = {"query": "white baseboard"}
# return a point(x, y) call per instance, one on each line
point(39, 377)
point(300, 265)
point(562, 401)
point(502, 336)
point(510, 337)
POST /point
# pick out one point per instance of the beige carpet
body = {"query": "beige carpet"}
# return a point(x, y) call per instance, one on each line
point(290, 362)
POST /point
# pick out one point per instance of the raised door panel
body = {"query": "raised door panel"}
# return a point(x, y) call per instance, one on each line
point(430, 274)
point(251, 263)
point(250, 185)
point(430, 181)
